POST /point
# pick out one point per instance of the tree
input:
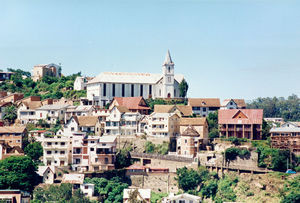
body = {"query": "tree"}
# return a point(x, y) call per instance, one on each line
point(212, 120)
point(34, 150)
point(123, 159)
point(188, 179)
point(18, 172)
point(266, 127)
point(183, 88)
point(10, 114)
point(53, 193)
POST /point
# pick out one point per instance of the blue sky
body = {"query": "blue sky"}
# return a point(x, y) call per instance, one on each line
point(226, 49)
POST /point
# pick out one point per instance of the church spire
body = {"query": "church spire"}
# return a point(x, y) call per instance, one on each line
point(168, 59)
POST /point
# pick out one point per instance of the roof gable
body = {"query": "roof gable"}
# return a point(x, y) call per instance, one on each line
point(239, 114)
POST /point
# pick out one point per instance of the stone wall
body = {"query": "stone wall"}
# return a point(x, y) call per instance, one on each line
point(157, 182)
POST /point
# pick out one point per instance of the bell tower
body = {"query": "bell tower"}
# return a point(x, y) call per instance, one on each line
point(168, 77)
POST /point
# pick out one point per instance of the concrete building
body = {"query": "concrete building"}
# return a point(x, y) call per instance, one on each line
point(204, 106)
point(287, 138)
point(241, 123)
point(80, 82)
point(94, 153)
point(233, 104)
point(26, 109)
point(163, 125)
point(56, 151)
point(42, 70)
point(14, 196)
point(180, 110)
point(103, 88)
point(51, 113)
point(122, 122)
point(78, 111)
point(12, 135)
point(77, 181)
point(133, 104)
point(198, 124)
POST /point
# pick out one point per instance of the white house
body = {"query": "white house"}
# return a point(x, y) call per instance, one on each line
point(103, 88)
point(80, 83)
point(233, 104)
point(78, 111)
point(47, 172)
point(56, 151)
point(122, 121)
point(162, 124)
point(182, 198)
point(51, 113)
point(88, 189)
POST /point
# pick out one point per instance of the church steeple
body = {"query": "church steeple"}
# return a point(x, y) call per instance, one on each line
point(168, 59)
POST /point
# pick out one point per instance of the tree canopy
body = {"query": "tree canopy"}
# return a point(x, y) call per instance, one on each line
point(34, 150)
point(289, 108)
point(183, 88)
point(18, 172)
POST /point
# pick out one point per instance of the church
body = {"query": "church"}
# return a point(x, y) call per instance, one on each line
point(103, 88)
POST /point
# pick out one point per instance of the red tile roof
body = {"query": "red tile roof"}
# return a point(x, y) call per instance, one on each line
point(131, 102)
point(253, 116)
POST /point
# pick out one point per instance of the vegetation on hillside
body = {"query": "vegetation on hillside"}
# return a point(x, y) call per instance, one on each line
point(289, 108)
point(18, 172)
point(59, 193)
point(109, 190)
point(213, 128)
point(157, 148)
point(47, 87)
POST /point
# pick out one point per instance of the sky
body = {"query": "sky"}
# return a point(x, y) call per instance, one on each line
point(225, 48)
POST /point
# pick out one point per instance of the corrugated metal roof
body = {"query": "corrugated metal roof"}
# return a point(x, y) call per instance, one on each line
point(254, 116)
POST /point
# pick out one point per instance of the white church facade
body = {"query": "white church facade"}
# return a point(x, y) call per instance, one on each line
point(102, 89)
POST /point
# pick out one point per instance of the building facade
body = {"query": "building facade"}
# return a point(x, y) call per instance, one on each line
point(287, 138)
point(204, 106)
point(103, 88)
point(241, 123)
point(40, 71)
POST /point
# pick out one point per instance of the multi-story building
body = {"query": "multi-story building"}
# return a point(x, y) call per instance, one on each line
point(78, 111)
point(233, 104)
point(286, 138)
point(241, 123)
point(180, 110)
point(94, 153)
point(163, 125)
point(198, 124)
point(42, 70)
point(133, 104)
point(26, 109)
point(56, 151)
point(103, 88)
point(51, 113)
point(12, 135)
point(189, 142)
point(204, 106)
point(81, 82)
point(122, 122)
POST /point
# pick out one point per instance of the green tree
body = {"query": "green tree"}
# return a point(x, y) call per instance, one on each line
point(34, 150)
point(188, 179)
point(123, 159)
point(225, 189)
point(10, 114)
point(213, 129)
point(18, 172)
point(183, 88)
point(149, 147)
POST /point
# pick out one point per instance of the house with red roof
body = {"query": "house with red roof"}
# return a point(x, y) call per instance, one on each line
point(241, 123)
point(133, 104)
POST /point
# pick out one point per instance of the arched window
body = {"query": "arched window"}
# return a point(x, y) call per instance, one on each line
point(169, 69)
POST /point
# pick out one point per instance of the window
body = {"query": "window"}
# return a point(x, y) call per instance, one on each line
point(132, 90)
point(185, 141)
point(92, 149)
point(160, 93)
point(62, 143)
point(169, 79)
point(169, 69)
point(113, 90)
point(106, 160)
point(141, 90)
point(123, 90)
point(62, 152)
point(204, 109)
point(104, 89)
point(48, 152)
point(150, 89)
point(86, 187)
point(96, 159)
